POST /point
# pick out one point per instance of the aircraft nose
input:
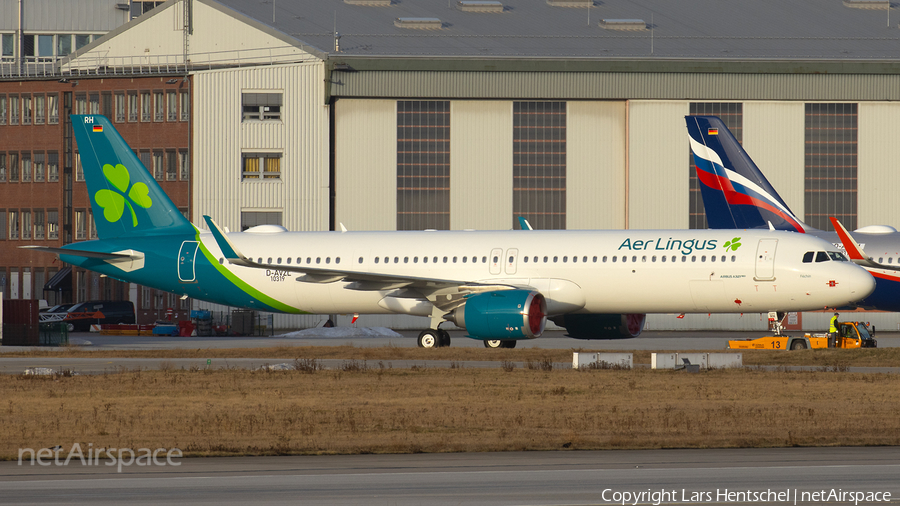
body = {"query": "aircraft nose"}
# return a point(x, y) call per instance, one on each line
point(862, 284)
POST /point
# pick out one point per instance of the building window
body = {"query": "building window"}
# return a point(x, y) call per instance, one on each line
point(39, 224)
point(132, 106)
point(146, 160)
point(26, 167)
point(158, 167)
point(732, 114)
point(267, 165)
point(261, 106)
point(94, 103)
point(146, 297)
point(38, 167)
point(539, 164)
point(93, 225)
point(171, 106)
point(79, 170)
point(80, 224)
point(40, 112)
point(2, 231)
point(53, 108)
point(2, 167)
point(121, 111)
point(8, 47)
point(171, 166)
point(52, 167)
point(185, 105)
point(3, 110)
point(139, 7)
point(13, 224)
point(184, 165)
point(52, 224)
point(63, 44)
point(27, 112)
point(81, 41)
point(26, 224)
point(81, 104)
point(423, 165)
point(831, 165)
point(159, 106)
point(146, 106)
point(254, 218)
point(13, 109)
point(13, 167)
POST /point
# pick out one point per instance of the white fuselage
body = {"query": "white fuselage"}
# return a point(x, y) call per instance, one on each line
point(628, 271)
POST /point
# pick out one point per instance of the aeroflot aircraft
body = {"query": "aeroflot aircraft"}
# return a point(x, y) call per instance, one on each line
point(499, 286)
point(737, 195)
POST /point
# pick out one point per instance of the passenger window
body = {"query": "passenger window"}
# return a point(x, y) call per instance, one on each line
point(289, 260)
point(555, 259)
point(662, 258)
point(496, 259)
point(465, 259)
point(308, 260)
point(644, 258)
point(890, 259)
point(415, 260)
point(299, 260)
point(733, 258)
point(574, 259)
point(624, 258)
point(535, 259)
point(545, 259)
point(703, 258)
point(318, 260)
point(565, 259)
point(222, 261)
point(484, 260)
point(653, 258)
point(880, 260)
point(584, 259)
point(712, 258)
point(634, 258)
point(694, 258)
point(396, 260)
point(327, 260)
point(376, 260)
point(406, 260)
point(523, 258)
point(434, 260)
point(259, 260)
point(424, 260)
point(595, 259)
point(821, 256)
point(683, 259)
point(454, 259)
point(604, 259)
point(445, 259)
point(511, 259)
point(614, 259)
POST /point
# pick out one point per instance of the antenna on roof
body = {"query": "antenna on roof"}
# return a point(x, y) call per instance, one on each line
point(337, 36)
point(651, 33)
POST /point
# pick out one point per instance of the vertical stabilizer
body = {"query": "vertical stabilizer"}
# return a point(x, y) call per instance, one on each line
point(125, 198)
point(735, 192)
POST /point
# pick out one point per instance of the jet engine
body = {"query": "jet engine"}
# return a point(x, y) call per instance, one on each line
point(502, 314)
point(601, 326)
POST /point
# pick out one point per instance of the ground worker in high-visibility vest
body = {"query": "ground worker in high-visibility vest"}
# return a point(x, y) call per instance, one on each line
point(833, 328)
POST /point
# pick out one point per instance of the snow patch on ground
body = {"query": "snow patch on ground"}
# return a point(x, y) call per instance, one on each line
point(74, 341)
point(276, 367)
point(341, 333)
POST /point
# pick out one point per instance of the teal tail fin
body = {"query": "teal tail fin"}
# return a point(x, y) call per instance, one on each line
point(125, 198)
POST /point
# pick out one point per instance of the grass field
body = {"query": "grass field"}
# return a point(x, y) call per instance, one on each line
point(363, 409)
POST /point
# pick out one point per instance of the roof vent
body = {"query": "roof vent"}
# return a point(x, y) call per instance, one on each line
point(369, 3)
point(418, 23)
point(479, 5)
point(868, 4)
point(571, 3)
point(623, 24)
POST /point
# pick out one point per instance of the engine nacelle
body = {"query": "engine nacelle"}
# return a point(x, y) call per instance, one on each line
point(601, 326)
point(502, 314)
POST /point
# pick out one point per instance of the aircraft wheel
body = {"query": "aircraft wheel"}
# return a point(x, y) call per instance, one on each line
point(493, 343)
point(70, 327)
point(508, 344)
point(445, 338)
point(429, 339)
point(798, 345)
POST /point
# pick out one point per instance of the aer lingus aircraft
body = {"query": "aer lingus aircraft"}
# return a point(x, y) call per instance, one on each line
point(737, 195)
point(500, 286)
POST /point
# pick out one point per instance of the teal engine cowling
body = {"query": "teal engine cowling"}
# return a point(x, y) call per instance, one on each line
point(502, 314)
point(601, 326)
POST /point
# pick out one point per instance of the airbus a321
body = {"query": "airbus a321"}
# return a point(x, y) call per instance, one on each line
point(737, 195)
point(500, 286)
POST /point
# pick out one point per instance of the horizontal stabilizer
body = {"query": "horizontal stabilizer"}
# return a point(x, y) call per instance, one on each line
point(78, 252)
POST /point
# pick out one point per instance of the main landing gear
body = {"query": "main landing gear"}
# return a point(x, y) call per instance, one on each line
point(434, 338)
point(496, 343)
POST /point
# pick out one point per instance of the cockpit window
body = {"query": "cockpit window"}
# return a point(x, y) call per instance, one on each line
point(808, 257)
point(837, 256)
point(821, 256)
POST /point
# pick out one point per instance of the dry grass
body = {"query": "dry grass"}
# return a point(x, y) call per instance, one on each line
point(877, 357)
point(364, 408)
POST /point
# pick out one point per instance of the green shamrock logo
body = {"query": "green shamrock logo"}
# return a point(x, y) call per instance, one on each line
point(733, 244)
point(113, 203)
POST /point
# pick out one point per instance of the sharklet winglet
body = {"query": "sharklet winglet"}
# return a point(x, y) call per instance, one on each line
point(229, 250)
point(854, 251)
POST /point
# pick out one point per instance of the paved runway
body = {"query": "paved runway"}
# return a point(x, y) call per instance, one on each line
point(531, 478)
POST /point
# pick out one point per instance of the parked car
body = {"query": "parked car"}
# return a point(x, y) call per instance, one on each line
point(81, 316)
point(59, 308)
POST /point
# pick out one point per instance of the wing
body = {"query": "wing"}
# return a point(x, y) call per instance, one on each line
point(855, 251)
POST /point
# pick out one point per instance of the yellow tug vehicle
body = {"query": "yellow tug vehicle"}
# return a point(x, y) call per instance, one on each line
point(850, 335)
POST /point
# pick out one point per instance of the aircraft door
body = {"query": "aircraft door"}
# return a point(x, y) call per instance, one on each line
point(765, 259)
point(186, 258)
point(512, 257)
point(496, 260)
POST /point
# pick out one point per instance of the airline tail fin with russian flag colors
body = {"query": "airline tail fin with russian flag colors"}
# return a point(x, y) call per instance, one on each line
point(735, 193)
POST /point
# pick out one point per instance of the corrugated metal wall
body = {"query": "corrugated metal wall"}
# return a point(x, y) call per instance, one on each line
point(365, 162)
point(618, 85)
point(657, 165)
point(595, 165)
point(91, 16)
point(774, 139)
point(219, 137)
point(879, 154)
point(481, 165)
